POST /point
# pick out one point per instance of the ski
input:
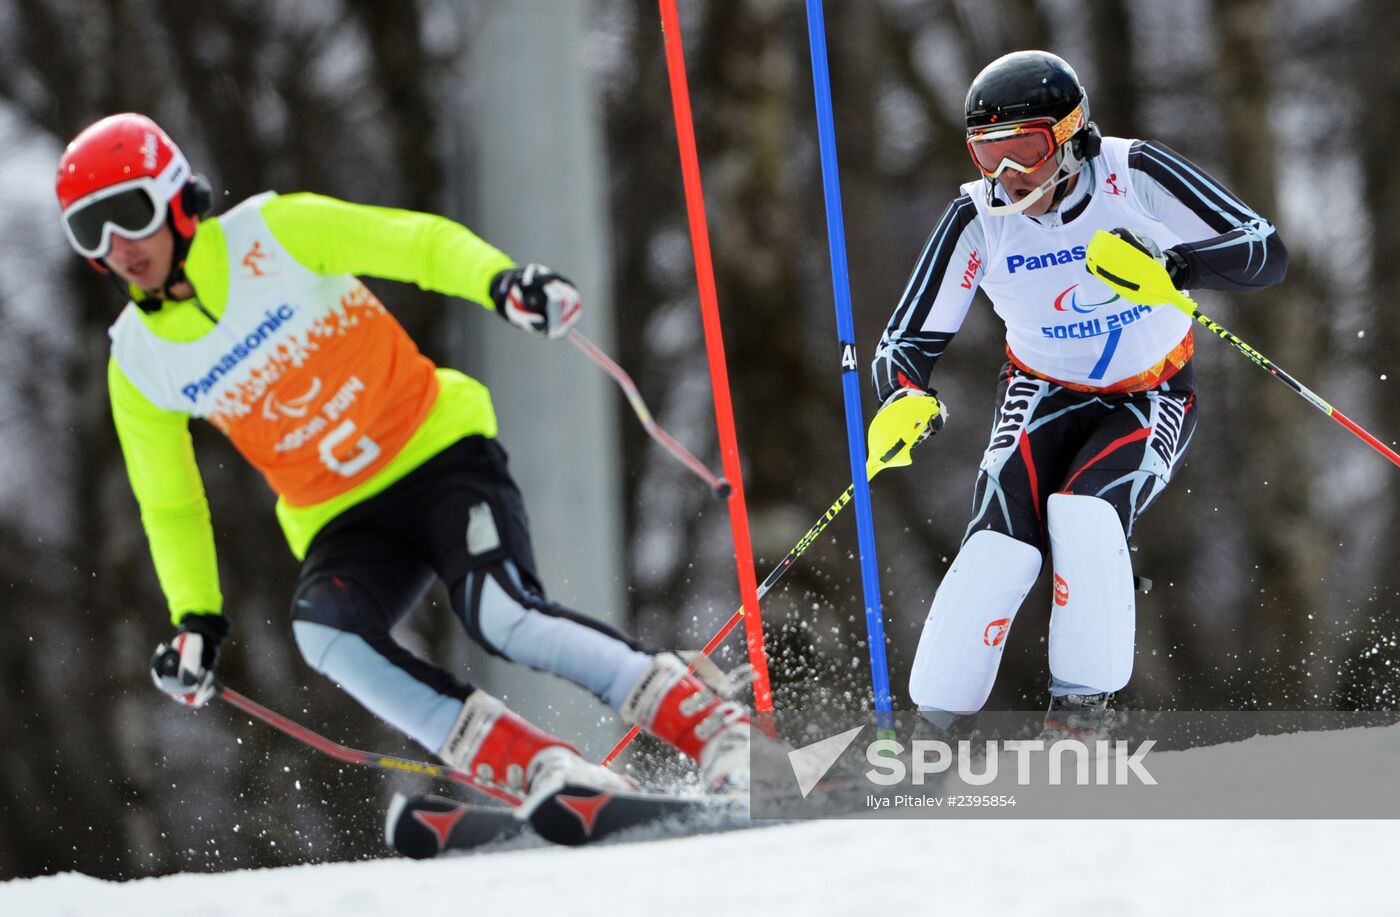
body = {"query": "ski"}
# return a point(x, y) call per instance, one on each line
point(574, 815)
point(424, 826)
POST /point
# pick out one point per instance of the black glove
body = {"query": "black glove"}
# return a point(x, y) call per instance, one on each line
point(535, 298)
point(1171, 259)
point(184, 667)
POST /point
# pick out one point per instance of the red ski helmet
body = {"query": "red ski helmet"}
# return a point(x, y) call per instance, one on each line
point(125, 175)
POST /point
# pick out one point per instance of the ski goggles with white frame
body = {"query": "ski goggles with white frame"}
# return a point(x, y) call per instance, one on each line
point(133, 209)
point(1024, 146)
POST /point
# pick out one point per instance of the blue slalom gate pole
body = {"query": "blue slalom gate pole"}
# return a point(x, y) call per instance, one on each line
point(850, 382)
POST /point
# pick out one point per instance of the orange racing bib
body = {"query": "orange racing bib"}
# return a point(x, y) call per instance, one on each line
point(312, 379)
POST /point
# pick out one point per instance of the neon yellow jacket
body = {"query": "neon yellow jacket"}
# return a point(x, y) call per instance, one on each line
point(328, 237)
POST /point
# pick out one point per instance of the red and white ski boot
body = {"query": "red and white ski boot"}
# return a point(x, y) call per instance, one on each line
point(679, 708)
point(496, 745)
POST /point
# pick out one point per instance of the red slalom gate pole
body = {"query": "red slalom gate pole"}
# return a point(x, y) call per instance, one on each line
point(714, 347)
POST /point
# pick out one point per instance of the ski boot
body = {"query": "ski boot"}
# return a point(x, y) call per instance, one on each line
point(677, 707)
point(497, 746)
point(1086, 717)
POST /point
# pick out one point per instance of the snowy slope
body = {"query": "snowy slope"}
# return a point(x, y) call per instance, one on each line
point(957, 867)
point(908, 867)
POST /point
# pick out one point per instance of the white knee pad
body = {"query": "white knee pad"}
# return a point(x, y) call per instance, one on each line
point(961, 646)
point(1092, 619)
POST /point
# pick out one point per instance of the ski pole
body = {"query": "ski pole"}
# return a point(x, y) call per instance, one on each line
point(719, 485)
point(1188, 305)
point(1114, 260)
point(355, 756)
point(893, 434)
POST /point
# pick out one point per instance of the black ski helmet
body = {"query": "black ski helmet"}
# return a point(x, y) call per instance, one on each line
point(1026, 85)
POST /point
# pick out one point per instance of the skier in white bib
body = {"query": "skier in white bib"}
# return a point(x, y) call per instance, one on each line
point(1096, 404)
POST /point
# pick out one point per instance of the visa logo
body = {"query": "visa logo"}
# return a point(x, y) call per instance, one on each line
point(1047, 259)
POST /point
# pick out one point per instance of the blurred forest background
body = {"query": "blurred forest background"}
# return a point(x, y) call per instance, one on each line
point(1276, 577)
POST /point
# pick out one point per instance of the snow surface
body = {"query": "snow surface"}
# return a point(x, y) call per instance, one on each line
point(1115, 867)
point(1119, 868)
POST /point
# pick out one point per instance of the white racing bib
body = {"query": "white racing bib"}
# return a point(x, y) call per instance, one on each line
point(1061, 322)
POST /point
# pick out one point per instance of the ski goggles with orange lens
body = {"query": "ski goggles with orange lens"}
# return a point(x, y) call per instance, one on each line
point(1024, 146)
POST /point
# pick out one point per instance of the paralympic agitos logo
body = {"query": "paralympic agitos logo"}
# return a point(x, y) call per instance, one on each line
point(1069, 300)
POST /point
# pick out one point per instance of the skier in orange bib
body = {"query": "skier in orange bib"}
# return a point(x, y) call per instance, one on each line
point(386, 467)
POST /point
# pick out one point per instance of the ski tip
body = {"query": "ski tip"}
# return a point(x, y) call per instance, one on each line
point(421, 827)
point(574, 814)
point(723, 489)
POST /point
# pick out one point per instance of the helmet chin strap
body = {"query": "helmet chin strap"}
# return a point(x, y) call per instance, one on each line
point(1055, 183)
point(179, 251)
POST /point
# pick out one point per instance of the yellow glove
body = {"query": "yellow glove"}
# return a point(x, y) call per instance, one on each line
point(905, 419)
point(1132, 266)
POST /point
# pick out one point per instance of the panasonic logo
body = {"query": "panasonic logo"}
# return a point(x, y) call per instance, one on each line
point(1046, 259)
point(273, 319)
